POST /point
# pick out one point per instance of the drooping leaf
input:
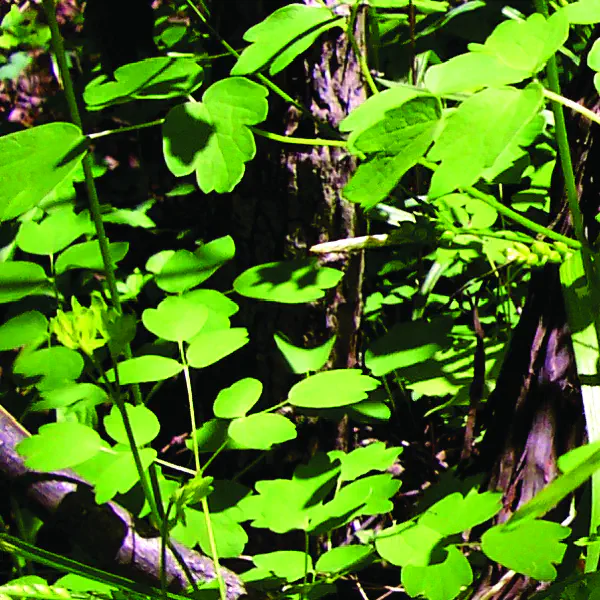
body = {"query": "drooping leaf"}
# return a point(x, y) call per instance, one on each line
point(329, 389)
point(455, 514)
point(154, 78)
point(214, 300)
point(374, 457)
point(236, 400)
point(26, 328)
point(176, 319)
point(290, 282)
point(57, 147)
point(59, 446)
point(261, 431)
point(304, 360)
point(464, 161)
point(114, 472)
point(145, 368)
point(19, 279)
point(54, 366)
point(212, 137)
point(142, 420)
point(441, 581)
point(408, 543)
point(282, 36)
point(583, 12)
point(290, 565)
point(208, 348)
point(407, 344)
point(342, 558)
point(87, 255)
point(54, 233)
point(513, 52)
point(70, 394)
point(530, 547)
point(394, 145)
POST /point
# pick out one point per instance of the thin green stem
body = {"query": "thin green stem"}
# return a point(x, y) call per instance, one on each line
point(196, 450)
point(59, 50)
point(574, 106)
point(360, 56)
point(99, 134)
point(298, 140)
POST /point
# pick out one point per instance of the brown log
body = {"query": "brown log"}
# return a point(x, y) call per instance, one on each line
point(108, 535)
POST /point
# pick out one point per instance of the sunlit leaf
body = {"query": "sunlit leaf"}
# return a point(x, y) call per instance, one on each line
point(261, 431)
point(236, 400)
point(304, 360)
point(26, 328)
point(145, 368)
point(208, 348)
point(143, 422)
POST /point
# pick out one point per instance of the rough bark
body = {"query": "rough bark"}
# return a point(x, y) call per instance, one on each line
point(106, 534)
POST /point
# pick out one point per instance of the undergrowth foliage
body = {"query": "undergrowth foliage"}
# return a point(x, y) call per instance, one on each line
point(476, 123)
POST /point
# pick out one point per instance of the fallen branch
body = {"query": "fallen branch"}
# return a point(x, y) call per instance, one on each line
point(107, 534)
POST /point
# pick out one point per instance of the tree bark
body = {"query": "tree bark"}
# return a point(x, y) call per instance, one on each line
point(106, 534)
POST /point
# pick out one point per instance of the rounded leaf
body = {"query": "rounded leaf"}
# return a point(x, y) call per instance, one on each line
point(342, 558)
point(208, 348)
point(143, 422)
point(177, 319)
point(59, 446)
point(145, 368)
point(236, 400)
point(26, 328)
point(261, 431)
point(330, 389)
point(19, 279)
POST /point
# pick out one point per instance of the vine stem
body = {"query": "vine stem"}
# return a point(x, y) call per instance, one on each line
point(574, 106)
point(94, 202)
point(196, 450)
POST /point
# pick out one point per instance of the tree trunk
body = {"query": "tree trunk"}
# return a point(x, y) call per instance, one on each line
point(290, 199)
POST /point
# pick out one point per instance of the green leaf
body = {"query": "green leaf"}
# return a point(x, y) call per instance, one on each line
point(78, 583)
point(329, 389)
point(54, 233)
point(396, 143)
point(374, 109)
point(583, 12)
point(19, 279)
point(55, 366)
point(471, 141)
point(290, 565)
point(145, 368)
point(407, 344)
point(212, 137)
point(114, 473)
point(261, 431)
point(208, 348)
point(214, 300)
point(143, 422)
point(455, 514)
point(289, 282)
point(529, 547)
point(177, 319)
point(442, 581)
point(87, 255)
point(70, 394)
point(408, 543)
point(26, 328)
point(304, 360)
point(230, 538)
point(215, 254)
point(57, 148)
point(236, 400)
point(374, 457)
point(342, 558)
point(513, 52)
point(193, 491)
point(369, 411)
point(304, 494)
point(460, 210)
point(151, 79)
point(60, 446)
point(282, 36)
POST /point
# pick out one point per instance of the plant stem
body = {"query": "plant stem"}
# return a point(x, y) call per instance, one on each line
point(94, 136)
point(360, 56)
point(574, 106)
point(94, 201)
point(298, 140)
